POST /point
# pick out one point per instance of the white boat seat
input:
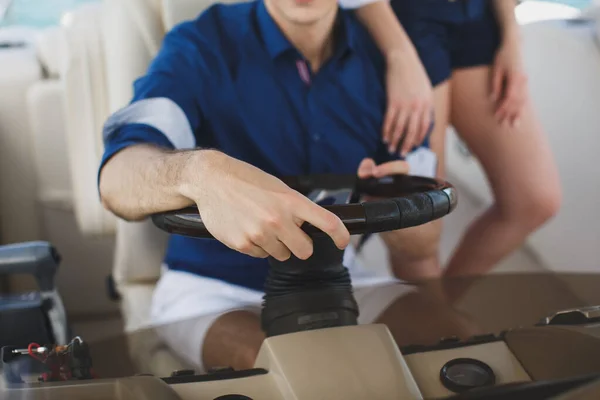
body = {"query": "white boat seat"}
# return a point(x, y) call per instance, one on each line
point(86, 108)
point(46, 107)
point(19, 69)
point(176, 11)
point(140, 246)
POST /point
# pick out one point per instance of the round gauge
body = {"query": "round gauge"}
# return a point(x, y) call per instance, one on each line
point(462, 374)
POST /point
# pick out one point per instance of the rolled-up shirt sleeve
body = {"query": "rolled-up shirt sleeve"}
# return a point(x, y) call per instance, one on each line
point(353, 4)
point(165, 110)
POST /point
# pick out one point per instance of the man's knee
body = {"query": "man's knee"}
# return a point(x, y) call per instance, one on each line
point(414, 252)
point(233, 340)
point(415, 244)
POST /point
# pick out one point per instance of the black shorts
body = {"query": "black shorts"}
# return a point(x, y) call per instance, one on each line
point(450, 34)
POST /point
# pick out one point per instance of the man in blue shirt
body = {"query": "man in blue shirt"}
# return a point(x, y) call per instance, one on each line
point(237, 97)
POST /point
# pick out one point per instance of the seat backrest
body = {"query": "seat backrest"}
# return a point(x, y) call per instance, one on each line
point(19, 69)
point(177, 11)
point(140, 247)
point(86, 109)
point(45, 103)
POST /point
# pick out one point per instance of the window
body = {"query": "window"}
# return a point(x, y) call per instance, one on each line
point(36, 13)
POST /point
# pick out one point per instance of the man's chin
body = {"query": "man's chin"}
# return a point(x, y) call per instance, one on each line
point(305, 16)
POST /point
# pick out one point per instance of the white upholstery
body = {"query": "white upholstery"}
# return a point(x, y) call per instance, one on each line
point(126, 60)
point(51, 47)
point(136, 300)
point(563, 64)
point(593, 13)
point(87, 109)
point(19, 69)
point(140, 247)
point(45, 103)
point(139, 252)
point(177, 11)
point(535, 11)
point(46, 111)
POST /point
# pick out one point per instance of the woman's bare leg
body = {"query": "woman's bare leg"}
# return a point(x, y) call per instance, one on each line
point(414, 252)
point(519, 166)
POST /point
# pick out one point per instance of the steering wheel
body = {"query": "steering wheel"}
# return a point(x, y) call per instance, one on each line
point(397, 202)
point(317, 293)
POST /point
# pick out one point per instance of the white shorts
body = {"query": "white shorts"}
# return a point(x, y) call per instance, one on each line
point(196, 302)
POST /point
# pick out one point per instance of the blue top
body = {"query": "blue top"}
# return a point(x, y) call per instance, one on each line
point(230, 80)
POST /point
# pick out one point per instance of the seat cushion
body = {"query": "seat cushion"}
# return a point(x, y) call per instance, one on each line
point(136, 300)
point(139, 253)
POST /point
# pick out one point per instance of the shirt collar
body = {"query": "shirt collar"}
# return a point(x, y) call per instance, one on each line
point(276, 43)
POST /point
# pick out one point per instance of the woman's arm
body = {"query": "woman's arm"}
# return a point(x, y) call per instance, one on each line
point(505, 13)
point(385, 29)
point(509, 79)
point(409, 93)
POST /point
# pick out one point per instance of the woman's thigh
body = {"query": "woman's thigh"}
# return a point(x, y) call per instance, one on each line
point(422, 242)
point(437, 141)
point(517, 160)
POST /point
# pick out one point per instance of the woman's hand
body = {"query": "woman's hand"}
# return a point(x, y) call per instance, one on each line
point(409, 113)
point(509, 83)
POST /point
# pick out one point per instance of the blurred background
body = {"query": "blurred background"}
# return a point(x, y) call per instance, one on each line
point(65, 65)
point(43, 13)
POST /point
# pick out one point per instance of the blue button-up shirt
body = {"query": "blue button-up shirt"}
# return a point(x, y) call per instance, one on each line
point(230, 80)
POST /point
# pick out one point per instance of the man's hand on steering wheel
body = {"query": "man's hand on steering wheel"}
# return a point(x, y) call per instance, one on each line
point(257, 214)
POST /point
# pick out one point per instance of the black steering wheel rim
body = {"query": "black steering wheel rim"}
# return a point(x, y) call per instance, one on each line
point(402, 201)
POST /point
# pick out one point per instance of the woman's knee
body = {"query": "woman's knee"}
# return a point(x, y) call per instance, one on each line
point(534, 206)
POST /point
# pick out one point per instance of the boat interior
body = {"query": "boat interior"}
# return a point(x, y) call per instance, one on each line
point(59, 83)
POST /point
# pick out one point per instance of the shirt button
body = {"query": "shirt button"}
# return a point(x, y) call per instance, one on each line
point(316, 137)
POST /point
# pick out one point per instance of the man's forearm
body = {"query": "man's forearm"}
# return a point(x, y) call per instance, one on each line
point(505, 13)
point(386, 30)
point(143, 180)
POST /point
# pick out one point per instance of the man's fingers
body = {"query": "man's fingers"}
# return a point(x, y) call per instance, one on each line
point(275, 248)
point(392, 168)
point(249, 248)
point(297, 241)
point(366, 168)
point(324, 220)
point(399, 130)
